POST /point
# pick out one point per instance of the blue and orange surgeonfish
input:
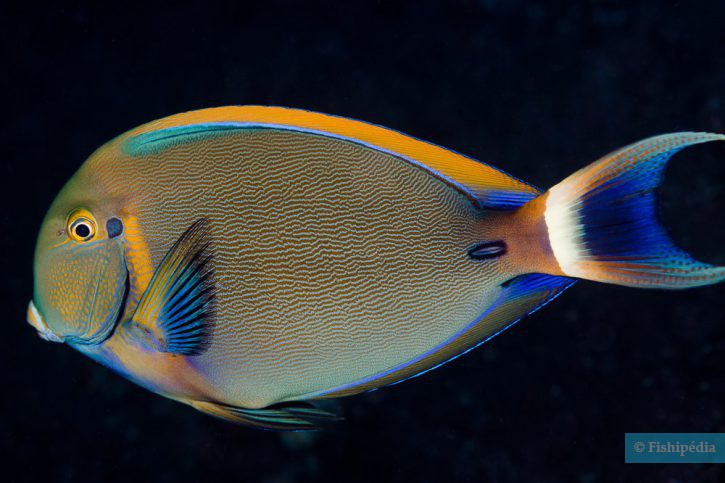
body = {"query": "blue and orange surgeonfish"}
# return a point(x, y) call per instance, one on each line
point(250, 261)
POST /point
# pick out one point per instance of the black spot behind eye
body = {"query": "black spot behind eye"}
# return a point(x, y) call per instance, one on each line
point(114, 227)
point(82, 230)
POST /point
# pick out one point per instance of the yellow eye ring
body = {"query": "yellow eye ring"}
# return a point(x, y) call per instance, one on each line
point(81, 226)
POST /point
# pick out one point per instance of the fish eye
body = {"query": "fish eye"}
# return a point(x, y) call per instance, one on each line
point(81, 225)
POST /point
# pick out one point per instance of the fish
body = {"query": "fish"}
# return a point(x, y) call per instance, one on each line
point(253, 262)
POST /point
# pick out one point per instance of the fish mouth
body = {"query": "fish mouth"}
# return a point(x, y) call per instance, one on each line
point(36, 320)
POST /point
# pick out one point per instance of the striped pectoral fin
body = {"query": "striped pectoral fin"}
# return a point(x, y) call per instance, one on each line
point(518, 297)
point(178, 307)
point(297, 416)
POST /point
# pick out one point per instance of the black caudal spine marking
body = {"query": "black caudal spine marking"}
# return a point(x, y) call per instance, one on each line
point(488, 250)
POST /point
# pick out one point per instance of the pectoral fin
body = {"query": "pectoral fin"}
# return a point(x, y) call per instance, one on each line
point(284, 417)
point(178, 307)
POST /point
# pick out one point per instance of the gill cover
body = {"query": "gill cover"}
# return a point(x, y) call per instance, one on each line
point(80, 288)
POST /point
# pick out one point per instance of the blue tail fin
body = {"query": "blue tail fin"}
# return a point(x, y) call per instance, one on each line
point(602, 221)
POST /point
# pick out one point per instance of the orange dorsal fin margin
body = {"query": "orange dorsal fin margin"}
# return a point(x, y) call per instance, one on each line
point(487, 185)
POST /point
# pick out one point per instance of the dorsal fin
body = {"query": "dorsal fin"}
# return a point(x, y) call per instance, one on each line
point(488, 186)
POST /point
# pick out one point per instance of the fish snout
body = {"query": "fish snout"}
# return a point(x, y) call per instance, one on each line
point(36, 320)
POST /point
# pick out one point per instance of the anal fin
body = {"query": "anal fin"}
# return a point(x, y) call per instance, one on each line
point(518, 298)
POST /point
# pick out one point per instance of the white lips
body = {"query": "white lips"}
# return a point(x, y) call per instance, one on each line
point(36, 320)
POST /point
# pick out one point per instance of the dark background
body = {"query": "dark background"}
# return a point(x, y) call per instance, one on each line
point(537, 89)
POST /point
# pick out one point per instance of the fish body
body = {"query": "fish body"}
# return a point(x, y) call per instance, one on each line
point(248, 257)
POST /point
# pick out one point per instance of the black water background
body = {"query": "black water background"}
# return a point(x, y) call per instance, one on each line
point(538, 89)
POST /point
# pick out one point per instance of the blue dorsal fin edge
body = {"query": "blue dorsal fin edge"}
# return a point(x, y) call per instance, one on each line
point(156, 141)
point(159, 140)
point(504, 200)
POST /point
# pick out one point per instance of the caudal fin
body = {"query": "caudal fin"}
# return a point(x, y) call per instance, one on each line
point(602, 221)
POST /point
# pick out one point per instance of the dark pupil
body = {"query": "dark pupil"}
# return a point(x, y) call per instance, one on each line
point(82, 230)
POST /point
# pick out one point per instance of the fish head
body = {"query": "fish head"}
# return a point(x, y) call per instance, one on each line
point(80, 274)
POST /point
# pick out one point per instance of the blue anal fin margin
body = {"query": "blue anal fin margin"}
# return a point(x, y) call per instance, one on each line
point(518, 297)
